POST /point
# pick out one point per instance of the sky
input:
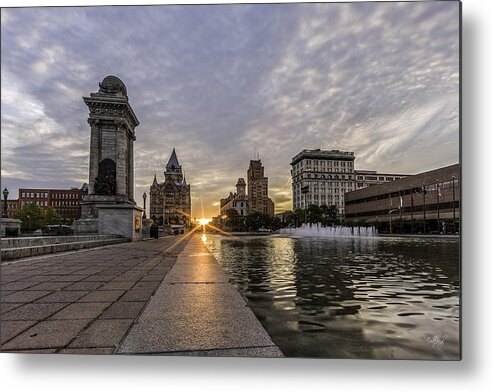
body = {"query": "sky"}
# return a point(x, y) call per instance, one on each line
point(218, 82)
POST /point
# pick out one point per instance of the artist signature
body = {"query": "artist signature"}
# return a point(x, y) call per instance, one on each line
point(436, 341)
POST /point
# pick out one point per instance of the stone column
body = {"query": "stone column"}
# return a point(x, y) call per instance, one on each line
point(93, 154)
point(121, 160)
point(130, 167)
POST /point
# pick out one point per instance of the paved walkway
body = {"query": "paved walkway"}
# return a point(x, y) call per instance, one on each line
point(82, 302)
point(161, 296)
point(196, 311)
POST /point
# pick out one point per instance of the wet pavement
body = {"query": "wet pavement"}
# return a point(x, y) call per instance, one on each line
point(166, 296)
point(82, 302)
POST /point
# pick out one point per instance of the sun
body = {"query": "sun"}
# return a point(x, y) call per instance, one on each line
point(204, 221)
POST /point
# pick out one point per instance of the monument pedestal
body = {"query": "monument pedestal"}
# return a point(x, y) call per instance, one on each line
point(10, 227)
point(109, 208)
point(104, 214)
point(121, 219)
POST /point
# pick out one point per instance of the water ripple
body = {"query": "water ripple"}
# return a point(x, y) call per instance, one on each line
point(348, 297)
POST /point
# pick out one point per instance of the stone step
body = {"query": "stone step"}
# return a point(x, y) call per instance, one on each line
point(30, 251)
point(22, 242)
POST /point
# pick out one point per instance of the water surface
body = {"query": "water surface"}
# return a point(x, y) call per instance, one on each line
point(386, 298)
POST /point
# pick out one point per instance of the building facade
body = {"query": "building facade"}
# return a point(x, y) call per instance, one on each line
point(258, 189)
point(12, 207)
point(326, 175)
point(366, 178)
point(66, 202)
point(170, 201)
point(428, 202)
point(237, 201)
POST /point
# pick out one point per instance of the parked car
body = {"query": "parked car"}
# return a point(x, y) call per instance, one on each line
point(58, 230)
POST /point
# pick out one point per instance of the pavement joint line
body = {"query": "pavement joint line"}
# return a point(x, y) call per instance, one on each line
point(158, 258)
point(199, 350)
point(58, 254)
point(135, 321)
point(178, 283)
point(133, 343)
point(33, 325)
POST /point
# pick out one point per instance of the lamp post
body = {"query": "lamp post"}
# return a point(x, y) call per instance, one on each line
point(453, 201)
point(5, 196)
point(390, 219)
point(304, 190)
point(29, 220)
point(438, 205)
point(144, 196)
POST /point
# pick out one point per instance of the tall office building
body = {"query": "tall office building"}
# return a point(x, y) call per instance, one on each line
point(327, 175)
point(258, 189)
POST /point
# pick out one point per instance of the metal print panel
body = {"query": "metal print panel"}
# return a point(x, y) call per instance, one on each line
point(254, 180)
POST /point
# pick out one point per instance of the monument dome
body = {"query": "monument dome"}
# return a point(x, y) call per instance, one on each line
point(113, 86)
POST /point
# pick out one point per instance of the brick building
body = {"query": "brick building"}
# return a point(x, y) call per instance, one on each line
point(12, 207)
point(66, 202)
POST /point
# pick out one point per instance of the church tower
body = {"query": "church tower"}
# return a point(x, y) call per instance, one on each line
point(170, 201)
point(173, 168)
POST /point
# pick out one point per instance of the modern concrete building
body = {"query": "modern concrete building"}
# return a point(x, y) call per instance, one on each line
point(171, 197)
point(237, 201)
point(428, 202)
point(66, 202)
point(258, 189)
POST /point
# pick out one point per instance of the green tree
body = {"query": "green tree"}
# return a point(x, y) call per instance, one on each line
point(51, 217)
point(232, 217)
point(329, 215)
point(275, 223)
point(314, 214)
point(32, 217)
point(257, 220)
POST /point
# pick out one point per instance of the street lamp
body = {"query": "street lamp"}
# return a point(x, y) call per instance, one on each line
point(390, 219)
point(144, 196)
point(5, 196)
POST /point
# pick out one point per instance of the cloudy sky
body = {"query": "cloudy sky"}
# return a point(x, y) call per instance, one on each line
point(216, 82)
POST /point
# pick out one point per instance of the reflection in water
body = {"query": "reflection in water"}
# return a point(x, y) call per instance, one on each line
point(350, 297)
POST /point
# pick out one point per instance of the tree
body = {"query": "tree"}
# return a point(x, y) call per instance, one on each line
point(275, 223)
point(329, 214)
point(231, 218)
point(314, 214)
point(51, 217)
point(257, 220)
point(32, 217)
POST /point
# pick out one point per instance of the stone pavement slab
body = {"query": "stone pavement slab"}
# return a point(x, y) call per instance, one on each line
point(196, 309)
point(46, 334)
point(102, 333)
point(63, 302)
point(80, 311)
point(33, 311)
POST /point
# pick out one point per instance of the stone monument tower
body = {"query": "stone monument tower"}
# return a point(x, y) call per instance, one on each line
point(109, 207)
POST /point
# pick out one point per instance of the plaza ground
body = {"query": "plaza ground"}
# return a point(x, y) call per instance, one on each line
point(166, 296)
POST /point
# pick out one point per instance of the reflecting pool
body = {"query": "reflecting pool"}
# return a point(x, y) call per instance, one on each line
point(385, 298)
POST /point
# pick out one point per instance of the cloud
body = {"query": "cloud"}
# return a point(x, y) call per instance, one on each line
point(380, 79)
